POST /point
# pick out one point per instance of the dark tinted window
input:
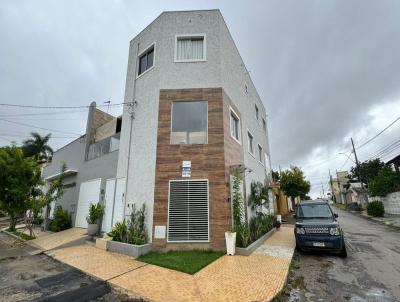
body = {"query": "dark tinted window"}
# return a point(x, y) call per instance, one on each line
point(146, 60)
point(189, 122)
point(314, 211)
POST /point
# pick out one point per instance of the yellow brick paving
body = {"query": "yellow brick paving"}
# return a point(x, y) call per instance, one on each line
point(258, 277)
point(53, 240)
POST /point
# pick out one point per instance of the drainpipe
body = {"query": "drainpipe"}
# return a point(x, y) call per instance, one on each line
point(131, 110)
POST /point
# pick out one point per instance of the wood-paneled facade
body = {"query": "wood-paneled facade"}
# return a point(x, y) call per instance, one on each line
point(212, 161)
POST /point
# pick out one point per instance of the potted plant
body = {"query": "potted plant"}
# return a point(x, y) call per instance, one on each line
point(230, 239)
point(96, 211)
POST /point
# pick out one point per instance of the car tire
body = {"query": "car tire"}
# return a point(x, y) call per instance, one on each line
point(298, 248)
point(343, 252)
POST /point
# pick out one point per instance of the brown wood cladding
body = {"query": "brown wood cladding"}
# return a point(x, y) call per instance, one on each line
point(209, 161)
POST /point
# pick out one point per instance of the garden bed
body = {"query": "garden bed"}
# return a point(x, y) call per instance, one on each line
point(188, 262)
point(246, 251)
point(128, 249)
point(19, 235)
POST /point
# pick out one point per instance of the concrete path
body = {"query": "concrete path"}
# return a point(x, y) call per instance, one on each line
point(65, 238)
point(258, 277)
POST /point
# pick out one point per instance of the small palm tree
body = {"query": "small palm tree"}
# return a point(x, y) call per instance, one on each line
point(38, 147)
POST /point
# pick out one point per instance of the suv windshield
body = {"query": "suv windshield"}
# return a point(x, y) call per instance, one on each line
point(309, 211)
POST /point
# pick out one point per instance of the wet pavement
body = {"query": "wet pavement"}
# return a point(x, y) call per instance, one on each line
point(371, 272)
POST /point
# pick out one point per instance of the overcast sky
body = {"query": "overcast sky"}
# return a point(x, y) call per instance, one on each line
point(325, 70)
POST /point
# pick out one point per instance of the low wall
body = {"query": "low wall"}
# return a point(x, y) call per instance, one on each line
point(246, 251)
point(392, 203)
point(128, 249)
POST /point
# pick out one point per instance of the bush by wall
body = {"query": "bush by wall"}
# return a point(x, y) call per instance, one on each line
point(132, 231)
point(62, 220)
point(376, 209)
point(259, 225)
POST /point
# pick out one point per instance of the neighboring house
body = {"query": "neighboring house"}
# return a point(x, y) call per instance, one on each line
point(192, 116)
point(354, 193)
point(90, 160)
point(338, 186)
point(395, 162)
point(281, 201)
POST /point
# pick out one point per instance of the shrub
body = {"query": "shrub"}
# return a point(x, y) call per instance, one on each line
point(96, 210)
point(375, 208)
point(260, 224)
point(387, 181)
point(62, 220)
point(243, 237)
point(133, 231)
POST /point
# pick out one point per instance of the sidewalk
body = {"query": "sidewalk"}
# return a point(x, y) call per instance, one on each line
point(258, 277)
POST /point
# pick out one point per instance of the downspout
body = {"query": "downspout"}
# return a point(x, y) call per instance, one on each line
point(131, 110)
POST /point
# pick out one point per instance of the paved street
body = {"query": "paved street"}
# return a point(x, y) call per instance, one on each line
point(371, 272)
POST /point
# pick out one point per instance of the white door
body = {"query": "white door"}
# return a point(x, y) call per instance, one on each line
point(89, 192)
point(109, 204)
point(119, 202)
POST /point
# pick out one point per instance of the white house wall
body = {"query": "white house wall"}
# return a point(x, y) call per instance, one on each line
point(222, 59)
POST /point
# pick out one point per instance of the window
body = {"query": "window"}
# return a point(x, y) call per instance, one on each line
point(188, 211)
point(190, 48)
point(250, 142)
point(264, 125)
point(260, 154)
point(256, 111)
point(235, 126)
point(146, 60)
point(189, 122)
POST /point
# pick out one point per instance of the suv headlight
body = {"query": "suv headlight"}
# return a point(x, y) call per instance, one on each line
point(334, 231)
point(300, 230)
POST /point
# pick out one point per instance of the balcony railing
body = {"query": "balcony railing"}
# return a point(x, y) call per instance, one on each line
point(104, 146)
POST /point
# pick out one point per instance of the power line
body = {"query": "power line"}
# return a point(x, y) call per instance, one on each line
point(42, 113)
point(379, 133)
point(385, 149)
point(58, 107)
point(47, 129)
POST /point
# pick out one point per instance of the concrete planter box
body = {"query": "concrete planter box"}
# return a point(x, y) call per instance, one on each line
point(246, 251)
point(128, 249)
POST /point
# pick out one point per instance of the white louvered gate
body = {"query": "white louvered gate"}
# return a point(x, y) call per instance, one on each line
point(188, 211)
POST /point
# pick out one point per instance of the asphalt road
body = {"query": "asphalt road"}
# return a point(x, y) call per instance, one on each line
point(371, 272)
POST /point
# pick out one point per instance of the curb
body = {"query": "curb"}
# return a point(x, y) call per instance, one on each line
point(394, 227)
point(14, 236)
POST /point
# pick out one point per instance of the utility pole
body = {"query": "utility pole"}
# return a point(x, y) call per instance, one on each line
point(340, 189)
point(358, 171)
point(330, 180)
point(323, 191)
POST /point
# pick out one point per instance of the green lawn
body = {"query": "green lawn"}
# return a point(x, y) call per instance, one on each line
point(188, 262)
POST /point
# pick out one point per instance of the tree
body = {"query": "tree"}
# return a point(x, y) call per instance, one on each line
point(367, 171)
point(19, 179)
point(293, 183)
point(258, 197)
point(38, 147)
point(387, 181)
point(54, 192)
point(275, 175)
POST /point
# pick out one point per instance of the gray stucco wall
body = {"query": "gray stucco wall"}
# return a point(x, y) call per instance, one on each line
point(103, 167)
point(223, 68)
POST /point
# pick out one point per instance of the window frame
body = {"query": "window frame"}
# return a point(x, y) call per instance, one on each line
point(188, 36)
point(147, 49)
point(260, 154)
point(208, 208)
point(238, 140)
point(172, 118)
point(248, 142)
